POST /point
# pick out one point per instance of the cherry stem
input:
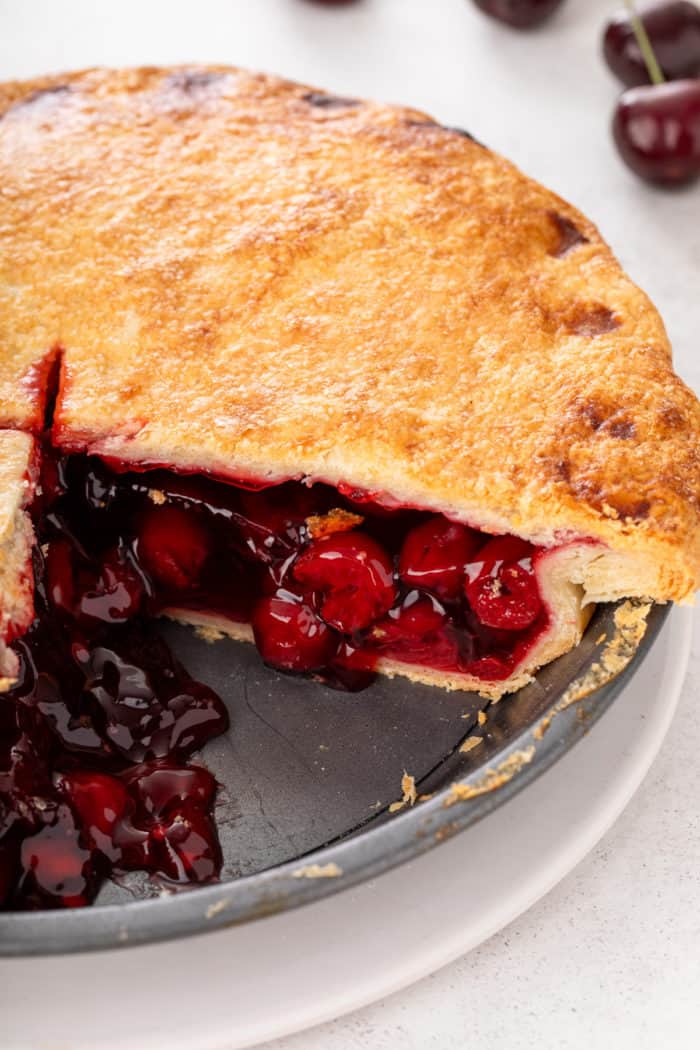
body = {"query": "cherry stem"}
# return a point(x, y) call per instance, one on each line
point(650, 61)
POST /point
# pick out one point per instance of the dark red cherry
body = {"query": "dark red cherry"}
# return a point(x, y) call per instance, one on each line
point(501, 585)
point(181, 846)
point(114, 595)
point(290, 635)
point(272, 522)
point(60, 586)
point(490, 668)
point(352, 669)
point(417, 619)
point(418, 631)
point(143, 702)
point(52, 480)
point(157, 785)
point(100, 802)
point(674, 32)
point(110, 593)
point(657, 131)
point(56, 867)
point(173, 545)
point(354, 575)
point(170, 831)
point(434, 554)
point(519, 13)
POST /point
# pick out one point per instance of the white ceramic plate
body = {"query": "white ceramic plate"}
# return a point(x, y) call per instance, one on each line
point(241, 986)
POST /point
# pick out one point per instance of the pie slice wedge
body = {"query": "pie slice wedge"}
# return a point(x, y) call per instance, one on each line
point(323, 373)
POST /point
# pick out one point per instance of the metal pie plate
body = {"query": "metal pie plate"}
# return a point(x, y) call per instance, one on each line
point(311, 780)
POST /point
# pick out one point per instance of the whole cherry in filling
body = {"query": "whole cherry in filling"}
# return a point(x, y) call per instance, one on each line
point(354, 576)
point(501, 585)
point(420, 629)
point(290, 635)
point(173, 545)
point(434, 554)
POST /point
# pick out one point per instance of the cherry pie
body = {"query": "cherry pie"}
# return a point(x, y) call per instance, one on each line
point(315, 372)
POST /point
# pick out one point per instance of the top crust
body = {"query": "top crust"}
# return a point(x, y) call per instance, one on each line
point(246, 276)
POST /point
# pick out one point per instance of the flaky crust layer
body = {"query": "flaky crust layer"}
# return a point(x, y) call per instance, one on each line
point(17, 482)
point(250, 277)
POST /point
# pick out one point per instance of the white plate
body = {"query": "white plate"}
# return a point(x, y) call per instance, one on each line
point(238, 987)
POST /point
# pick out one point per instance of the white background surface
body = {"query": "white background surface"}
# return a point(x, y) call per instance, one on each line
point(612, 955)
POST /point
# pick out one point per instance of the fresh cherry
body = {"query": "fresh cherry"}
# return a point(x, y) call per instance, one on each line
point(501, 586)
point(290, 635)
point(522, 14)
point(173, 545)
point(434, 554)
point(674, 33)
point(354, 575)
point(657, 131)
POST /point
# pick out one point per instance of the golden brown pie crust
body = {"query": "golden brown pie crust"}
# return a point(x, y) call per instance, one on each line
point(246, 276)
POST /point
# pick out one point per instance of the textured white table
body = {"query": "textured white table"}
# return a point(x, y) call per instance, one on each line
point(611, 955)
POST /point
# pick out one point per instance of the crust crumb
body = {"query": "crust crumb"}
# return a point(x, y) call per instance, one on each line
point(601, 638)
point(208, 633)
point(492, 778)
point(630, 627)
point(426, 798)
point(336, 520)
point(481, 718)
point(408, 787)
point(470, 743)
point(157, 497)
point(318, 871)
point(6, 683)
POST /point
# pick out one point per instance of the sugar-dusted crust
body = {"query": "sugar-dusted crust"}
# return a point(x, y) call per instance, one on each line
point(246, 276)
point(17, 479)
point(253, 278)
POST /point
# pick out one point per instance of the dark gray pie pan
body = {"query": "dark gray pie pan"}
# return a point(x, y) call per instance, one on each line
point(308, 775)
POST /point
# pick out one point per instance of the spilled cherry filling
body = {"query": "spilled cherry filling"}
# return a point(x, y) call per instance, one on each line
point(97, 735)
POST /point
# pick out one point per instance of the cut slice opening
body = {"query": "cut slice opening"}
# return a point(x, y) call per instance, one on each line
point(325, 583)
point(99, 728)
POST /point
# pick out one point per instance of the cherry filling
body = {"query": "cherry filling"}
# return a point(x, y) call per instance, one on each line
point(97, 735)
